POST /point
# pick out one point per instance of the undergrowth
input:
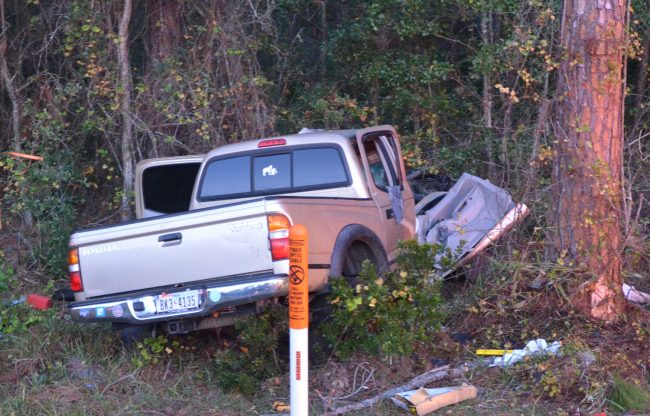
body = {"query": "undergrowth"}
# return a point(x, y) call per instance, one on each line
point(253, 356)
point(629, 396)
point(387, 314)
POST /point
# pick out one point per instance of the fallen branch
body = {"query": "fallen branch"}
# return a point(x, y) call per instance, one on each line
point(429, 377)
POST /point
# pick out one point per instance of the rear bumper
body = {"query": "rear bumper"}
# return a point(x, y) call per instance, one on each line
point(140, 308)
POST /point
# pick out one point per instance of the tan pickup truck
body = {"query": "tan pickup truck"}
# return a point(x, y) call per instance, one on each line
point(211, 241)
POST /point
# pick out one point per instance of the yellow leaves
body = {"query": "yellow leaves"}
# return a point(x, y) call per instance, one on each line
point(473, 309)
point(510, 94)
point(525, 76)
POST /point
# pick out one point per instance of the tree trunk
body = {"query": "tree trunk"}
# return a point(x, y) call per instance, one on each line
point(128, 176)
point(323, 45)
point(589, 143)
point(486, 33)
point(164, 25)
point(8, 82)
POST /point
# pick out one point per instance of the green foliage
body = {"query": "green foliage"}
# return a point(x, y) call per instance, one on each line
point(387, 314)
point(321, 108)
point(627, 395)
point(254, 358)
point(151, 351)
point(6, 273)
point(46, 192)
point(16, 318)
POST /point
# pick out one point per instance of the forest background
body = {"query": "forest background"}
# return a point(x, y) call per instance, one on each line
point(470, 85)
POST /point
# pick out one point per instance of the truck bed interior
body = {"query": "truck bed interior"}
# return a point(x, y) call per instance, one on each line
point(167, 189)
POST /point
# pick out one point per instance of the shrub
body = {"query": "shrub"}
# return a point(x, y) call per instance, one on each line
point(253, 359)
point(387, 314)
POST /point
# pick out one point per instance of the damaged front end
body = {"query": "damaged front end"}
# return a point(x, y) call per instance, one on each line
point(466, 219)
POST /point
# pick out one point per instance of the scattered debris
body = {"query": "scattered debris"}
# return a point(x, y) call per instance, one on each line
point(280, 406)
point(634, 295)
point(19, 300)
point(492, 352)
point(586, 358)
point(467, 219)
point(24, 156)
point(534, 347)
point(39, 302)
point(436, 374)
point(424, 401)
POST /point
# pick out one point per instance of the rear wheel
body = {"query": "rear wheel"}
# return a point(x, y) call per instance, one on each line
point(356, 255)
point(132, 334)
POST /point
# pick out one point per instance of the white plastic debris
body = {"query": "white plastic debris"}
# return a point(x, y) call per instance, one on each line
point(634, 295)
point(537, 347)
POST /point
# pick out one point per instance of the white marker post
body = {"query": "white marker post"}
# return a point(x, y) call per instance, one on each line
point(298, 320)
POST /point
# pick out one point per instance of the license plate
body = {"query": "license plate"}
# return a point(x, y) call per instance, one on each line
point(178, 302)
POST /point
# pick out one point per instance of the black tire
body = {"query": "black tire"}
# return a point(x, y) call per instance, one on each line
point(354, 244)
point(356, 255)
point(132, 334)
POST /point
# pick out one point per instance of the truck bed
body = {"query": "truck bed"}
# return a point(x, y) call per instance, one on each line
point(174, 249)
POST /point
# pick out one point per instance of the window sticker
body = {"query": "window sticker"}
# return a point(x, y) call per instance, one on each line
point(270, 171)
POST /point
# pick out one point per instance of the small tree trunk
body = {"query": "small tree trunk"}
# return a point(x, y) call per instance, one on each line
point(7, 81)
point(486, 33)
point(589, 143)
point(323, 45)
point(128, 176)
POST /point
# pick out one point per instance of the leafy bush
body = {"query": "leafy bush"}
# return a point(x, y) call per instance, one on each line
point(6, 273)
point(253, 359)
point(387, 314)
point(45, 193)
point(16, 318)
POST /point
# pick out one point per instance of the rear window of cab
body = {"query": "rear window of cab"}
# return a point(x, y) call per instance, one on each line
point(270, 171)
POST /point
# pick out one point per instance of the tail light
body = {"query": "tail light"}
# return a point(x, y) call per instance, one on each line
point(279, 236)
point(75, 273)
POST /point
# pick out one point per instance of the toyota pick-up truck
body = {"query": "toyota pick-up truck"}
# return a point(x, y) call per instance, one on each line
point(211, 239)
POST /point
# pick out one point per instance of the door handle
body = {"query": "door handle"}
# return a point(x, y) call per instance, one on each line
point(390, 214)
point(169, 238)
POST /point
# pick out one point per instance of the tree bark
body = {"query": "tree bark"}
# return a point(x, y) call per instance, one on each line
point(486, 33)
point(588, 144)
point(128, 176)
point(8, 82)
point(323, 45)
point(164, 25)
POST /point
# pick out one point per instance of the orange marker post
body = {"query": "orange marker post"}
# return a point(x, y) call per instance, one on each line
point(298, 320)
